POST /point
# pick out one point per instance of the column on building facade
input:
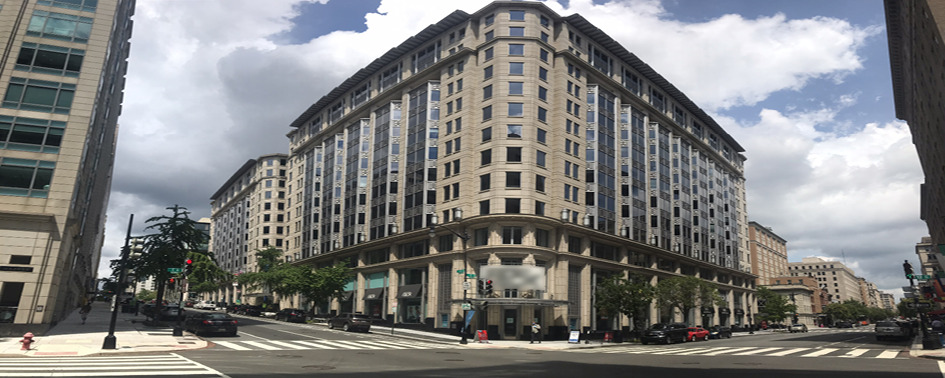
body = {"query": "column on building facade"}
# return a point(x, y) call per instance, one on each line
point(558, 287)
point(587, 319)
point(393, 280)
point(358, 299)
point(431, 292)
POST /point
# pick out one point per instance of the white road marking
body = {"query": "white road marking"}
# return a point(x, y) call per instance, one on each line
point(855, 353)
point(287, 345)
point(888, 353)
point(787, 352)
point(821, 352)
point(231, 345)
point(261, 345)
point(756, 351)
point(727, 350)
point(314, 344)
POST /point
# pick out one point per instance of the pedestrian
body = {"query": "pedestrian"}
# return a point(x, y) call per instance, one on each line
point(536, 332)
point(939, 328)
point(84, 311)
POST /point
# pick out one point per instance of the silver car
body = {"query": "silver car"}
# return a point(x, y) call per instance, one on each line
point(890, 330)
point(798, 328)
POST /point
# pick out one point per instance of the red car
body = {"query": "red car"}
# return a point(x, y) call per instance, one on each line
point(697, 333)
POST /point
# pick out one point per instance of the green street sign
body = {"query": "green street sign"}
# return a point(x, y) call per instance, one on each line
point(174, 270)
point(919, 276)
point(460, 271)
point(470, 275)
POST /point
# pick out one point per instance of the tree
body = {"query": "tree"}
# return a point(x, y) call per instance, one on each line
point(630, 297)
point(168, 248)
point(686, 293)
point(270, 273)
point(146, 295)
point(205, 275)
point(773, 307)
point(324, 284)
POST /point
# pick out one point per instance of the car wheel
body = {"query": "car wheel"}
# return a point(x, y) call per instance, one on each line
point(345, 327)
point(232, 334)
point(331, 325)
point(706, 338)
point(644, 342)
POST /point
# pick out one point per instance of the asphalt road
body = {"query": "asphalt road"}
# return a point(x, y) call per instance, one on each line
point(820, 353)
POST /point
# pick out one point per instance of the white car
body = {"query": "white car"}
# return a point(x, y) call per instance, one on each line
point(206, 305)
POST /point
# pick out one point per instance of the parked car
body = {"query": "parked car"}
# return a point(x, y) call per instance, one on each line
point(206, 305)
point(720, 332)
point(211, 322)
point(886, 330)
point(798, 328)
point(666, 333)
point(171, 312)
point(697, 333)
point(291, 315)
point(350, 322)
point(251, 310)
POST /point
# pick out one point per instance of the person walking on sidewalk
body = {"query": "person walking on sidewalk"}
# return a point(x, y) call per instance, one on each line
point(536, 332)
point(84, 311)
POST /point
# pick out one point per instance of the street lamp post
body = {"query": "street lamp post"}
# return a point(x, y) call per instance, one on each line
point(457, 215)
point(110, 341)
point(751, 329)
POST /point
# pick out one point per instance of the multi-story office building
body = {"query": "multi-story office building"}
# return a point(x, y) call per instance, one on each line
point(887, 301)
point(248, 214)
point(803, 292)
point(62, 74)
point(768, 253)
point(915, 32)
point(836, 277)
point(543, 155)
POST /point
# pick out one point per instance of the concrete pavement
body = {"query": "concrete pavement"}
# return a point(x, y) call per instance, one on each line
point(72, 338)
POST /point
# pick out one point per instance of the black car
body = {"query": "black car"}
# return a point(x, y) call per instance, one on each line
point(844, 325)
point(171, 312)
point(291, 315)
point(720, 332)
point(211, 322)
point(350, 322)
point(666, 333)
point(251, 310)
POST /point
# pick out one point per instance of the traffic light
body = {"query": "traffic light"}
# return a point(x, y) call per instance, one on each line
point(481, 287)
point(908, 269)
point(796, 318)
point(188, 266)
point(488, 289)
point(170, 283)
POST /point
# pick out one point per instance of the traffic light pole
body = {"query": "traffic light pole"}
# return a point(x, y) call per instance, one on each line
point(110, 341)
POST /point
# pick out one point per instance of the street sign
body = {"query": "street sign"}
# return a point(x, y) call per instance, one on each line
point(466, 285)
point(920, 304)
point(470, 275)
point(174, 270)
point(460, 271)
point(467, 306)
point(919, 276)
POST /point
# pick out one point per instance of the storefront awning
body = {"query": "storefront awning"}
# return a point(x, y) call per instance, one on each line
point(410, 291)
point(346, 296)
point(374, 294)
point(517, 302)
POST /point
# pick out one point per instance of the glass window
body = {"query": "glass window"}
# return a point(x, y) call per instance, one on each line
point(483, 209)
point(543, 73)
point(81, 5)
point(485, 182)
point(516, 68)
point(511, 235)
point(39, 95)
point(48, 59)
point(485, 157)
point(541, 135)
point(513, 154)
point(489, 53)
point(544, 38)
point(60, 26)
point(490, 35)
point(542, 93)
point(30, 134)
point(487, 92)
point(487, 113)
point(513, 205)
point(516, 88)
point(517, 31)
point(487, 72)
point(26, 178)
point(516, 109)
point(540, 158)
point(542, 114)
point(515, 131)
point(513, 179)
point(517, 15)
point(489, 19)
point(486, 134)
point(540, 183)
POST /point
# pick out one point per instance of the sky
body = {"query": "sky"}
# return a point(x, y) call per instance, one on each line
point(803, 85)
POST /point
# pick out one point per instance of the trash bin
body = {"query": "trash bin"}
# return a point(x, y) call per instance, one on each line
point(932, 340)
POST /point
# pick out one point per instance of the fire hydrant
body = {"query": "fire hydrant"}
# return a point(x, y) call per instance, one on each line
point(27, 340)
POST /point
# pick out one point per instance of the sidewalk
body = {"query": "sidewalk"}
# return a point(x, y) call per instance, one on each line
point(72, 338)
point(918, 351)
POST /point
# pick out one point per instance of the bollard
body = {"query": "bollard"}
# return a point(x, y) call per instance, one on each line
point(26, 341)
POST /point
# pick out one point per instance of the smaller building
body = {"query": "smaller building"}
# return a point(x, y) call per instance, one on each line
point(803, 292)
point(768, 253)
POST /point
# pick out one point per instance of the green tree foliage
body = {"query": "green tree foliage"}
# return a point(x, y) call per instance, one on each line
point(773, 307)
point(630, 297)
point(686, 293)
point(270, 271)
point(176, 235)
point(285, 279)
point(205, 275)
point(146, 295)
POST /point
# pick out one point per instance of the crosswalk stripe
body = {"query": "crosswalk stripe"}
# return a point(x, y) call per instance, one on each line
point(231, 345)
point(669, 351)
point(261, 345)
point(164, 365)
point(386, 345)
point(888, 353)
point(787, 352)
point(313, 344)
point(697, 351)
point(821, 352)
point(726, 350)
point(405, 345)
point(360, 344)
point(287, 345)
point(756, 351)
point(337, 344)
point(855, 353)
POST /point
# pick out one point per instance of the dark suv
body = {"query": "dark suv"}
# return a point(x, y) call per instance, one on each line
point(351, 322)
point(666, 333)
point(291, 315)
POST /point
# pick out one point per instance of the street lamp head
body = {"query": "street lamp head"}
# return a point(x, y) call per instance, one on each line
point(434, 220)
point(565, 215)
point(587, 220)
point(458, 213)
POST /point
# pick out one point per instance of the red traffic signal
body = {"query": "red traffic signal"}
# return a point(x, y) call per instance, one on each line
point(171, 280)
point(189, 261)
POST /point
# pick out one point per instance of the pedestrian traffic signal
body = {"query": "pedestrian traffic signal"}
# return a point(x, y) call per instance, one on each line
point(188, 266)
point(488, 290)
point(481, 287)
point(170, 283)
